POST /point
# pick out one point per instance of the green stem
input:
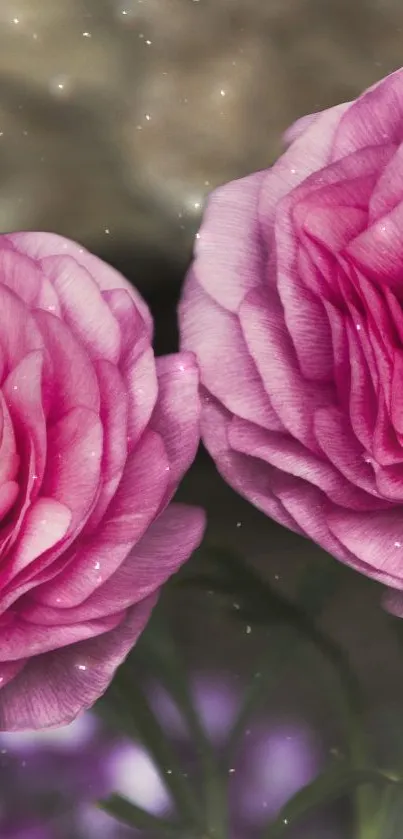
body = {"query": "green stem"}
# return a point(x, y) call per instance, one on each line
point(158, 651)
point(138, 720)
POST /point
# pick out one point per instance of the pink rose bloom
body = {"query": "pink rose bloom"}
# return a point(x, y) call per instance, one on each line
point(293, 307)
point(95, 435)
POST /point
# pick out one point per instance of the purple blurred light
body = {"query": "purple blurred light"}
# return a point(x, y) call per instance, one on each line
point(65, 738)
point(133, 774)
point(276, 762)
point(216, 701)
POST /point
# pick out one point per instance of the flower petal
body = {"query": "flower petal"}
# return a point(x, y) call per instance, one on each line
point(251, 478)
point(374, 118)
point(228, 248)
point(19, 638)
point(40, 245)
point(135, 505)
point(69, 376)
point(168, 543)
point(113, 412)
point(176, 415)
point(137, 363)
point(287, 455)
point(73, 466)
point(52, 689)
point(293, 398)
point(83, 307)
point(227, 369)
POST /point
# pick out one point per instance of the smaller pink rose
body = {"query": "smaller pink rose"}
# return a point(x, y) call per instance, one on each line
point(95, 435)
point(294, 309)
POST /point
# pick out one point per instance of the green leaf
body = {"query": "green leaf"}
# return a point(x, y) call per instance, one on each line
point(133, 816)
point(328, 787)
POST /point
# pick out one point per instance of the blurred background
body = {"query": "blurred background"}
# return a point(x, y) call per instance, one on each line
point(117, 117)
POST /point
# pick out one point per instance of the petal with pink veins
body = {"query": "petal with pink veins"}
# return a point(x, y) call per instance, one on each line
point(177, 412)
point(114, 413)
point(294, 399)
point(52, 689)
point(137, 363)
point(69, 376)
point(83, 307)
point(137, 502)
point(227, 369)
point(166, 545)
point(41, 245)
point(229, 258)
point(73, 466)
point(21, 639)
point(251, 478)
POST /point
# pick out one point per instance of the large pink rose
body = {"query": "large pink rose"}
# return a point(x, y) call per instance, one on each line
point(94, 438)
point(294, 308)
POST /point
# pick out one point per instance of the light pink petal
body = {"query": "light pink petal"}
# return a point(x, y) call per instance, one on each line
point(226, 367)
point(9, 458)
point(19, 638)
point(376, 540)
point(137, 363)
point(22, 338)
point(228, 249)
point(253, 480)
point(166, 545)
point(54, 688)
point(298, 128)
point(339, 445)
point(19, 273)
point(176, 415)
point(83, 307)
point(113, 412)
point(69, 375)
point(294, 399)
point(41, 245)
point(73, 464)
point(289, 456)
point(135, 505)
point(45, 524)
point(374, 119)
point(309, 153)
point(140, 378)
point(309, 329)
point(308, 507)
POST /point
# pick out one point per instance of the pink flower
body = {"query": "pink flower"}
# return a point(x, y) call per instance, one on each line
point(95, 435)
point(293, 307)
